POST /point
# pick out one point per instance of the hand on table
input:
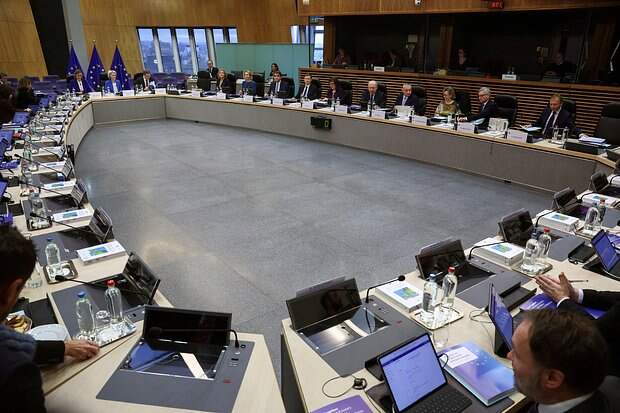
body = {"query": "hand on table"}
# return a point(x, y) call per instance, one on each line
point(556, 289)
point(81, 349)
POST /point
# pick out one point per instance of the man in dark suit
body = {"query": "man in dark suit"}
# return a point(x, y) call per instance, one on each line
point(307, 90)
point(554, 116)
point(372, 97)
point(559, 360)
point(568, 297)
point(20, 354)
point(488, 109)
point(212, 71)
point(278, 87)
point(406, 97)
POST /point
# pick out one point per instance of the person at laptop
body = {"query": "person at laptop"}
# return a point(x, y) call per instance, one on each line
point(554, 116)
point(20, 354)
point(559, 361)
point(570, 298)
point(488, 109)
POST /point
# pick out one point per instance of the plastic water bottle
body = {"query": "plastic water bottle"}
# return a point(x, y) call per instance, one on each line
point(37, 205)
point(52, 255)
point(429, 299)
point(592, 219)
point(531, 254)
point(85, 317)
point(602, 208)
point(449, 284)
point(411, 114)
point(115, 303)
point(545, 243)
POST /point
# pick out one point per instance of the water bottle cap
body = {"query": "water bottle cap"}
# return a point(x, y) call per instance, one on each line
point(50, 239)
point(546, 230)
point(450, 269)
point(81, 294)
point(111, 283)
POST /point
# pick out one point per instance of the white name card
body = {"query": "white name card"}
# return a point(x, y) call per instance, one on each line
point(466, 127)
point(342, 109)
point(160, 91)
point(517, 135)
point(307, 104)
point(72, 215)
point(379, 69)
point(377, 114)
point(278, 101)
point(420, 120)
point(509, 77)
point(128, 93)
point(248, 98)
point(196, 93)
point(220, 96)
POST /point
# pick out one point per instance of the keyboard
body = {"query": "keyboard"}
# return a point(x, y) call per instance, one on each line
point(445, 400)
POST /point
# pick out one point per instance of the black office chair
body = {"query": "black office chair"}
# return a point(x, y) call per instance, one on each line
point(204, 83)
point(317, 83)
point(202, 74)
point(464, 101)
point(609, 124)
point(291, 86)
point(507, 107)
point(345, 85)
point(383, 89)
point(571, 107)
point(420, 92)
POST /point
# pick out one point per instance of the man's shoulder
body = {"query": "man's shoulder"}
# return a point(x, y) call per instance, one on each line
point(16, 351)
point(599, 402)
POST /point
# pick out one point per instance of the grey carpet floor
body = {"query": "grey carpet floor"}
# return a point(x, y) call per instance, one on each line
point(238, 220)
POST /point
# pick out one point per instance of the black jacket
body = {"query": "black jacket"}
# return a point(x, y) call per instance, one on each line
point(599, 403)
point(608, 324)
point(313, 92)
point(225, 86)
point(412, 100)
point(343, 95)
point(379, 98)
point(283, 89)
point(564, 120)
point(486, 112)
point(7, 110)
point(213, 72)
point(25, 97)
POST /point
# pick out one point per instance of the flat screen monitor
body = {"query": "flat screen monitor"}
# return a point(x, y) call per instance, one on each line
point(322, 304)
point(500, 316)
point(437, 258)
point(605, 250)
point(565, 198)
point(517, 227)
point(141, 276)
point(599, 182)
point(101, 224)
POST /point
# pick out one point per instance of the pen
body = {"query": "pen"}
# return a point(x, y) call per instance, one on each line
point(578, 281)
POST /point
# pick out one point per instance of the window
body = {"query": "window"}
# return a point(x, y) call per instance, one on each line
point(165, 47)
point(317, 34)
point(299, 34)
point(185, 50)
point(218, 36)
point(147, 48)
point(202, 50)
point(232, 35)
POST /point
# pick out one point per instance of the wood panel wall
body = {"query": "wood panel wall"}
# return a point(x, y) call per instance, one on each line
point(257, 21)
point(20, 49)
point(353, 7)
point(532, 97)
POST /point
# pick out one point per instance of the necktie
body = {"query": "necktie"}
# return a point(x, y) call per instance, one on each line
point(372, 98)
point(80, 86)
point(483, 106)
point(404, 100)
point(550, 123)
point(305, 94)
point(277, 87)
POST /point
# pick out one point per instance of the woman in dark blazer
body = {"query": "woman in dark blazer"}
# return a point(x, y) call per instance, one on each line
point(223, 84)
point(25, 95)
point(336, 92)
point(78, 84)
point(248, 86)
point(7, 110)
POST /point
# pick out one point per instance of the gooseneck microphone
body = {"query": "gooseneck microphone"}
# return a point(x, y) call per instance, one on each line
point(41, 188)
point(62, 278)
point(44, 149)
point(41, 164)
point(84, 229)
point(399, 278)
point(156, 332)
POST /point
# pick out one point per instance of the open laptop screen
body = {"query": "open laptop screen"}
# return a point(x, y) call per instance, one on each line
point(605, 250)
point(500, 316)
point(412, 372)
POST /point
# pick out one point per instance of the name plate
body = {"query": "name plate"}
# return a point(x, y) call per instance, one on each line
point(342, 109)
point(128, 93)
point(277, 102)
point(379, 68)
point(220, 96)
point(307, 105)
point(160, 91)
point(377, 114)
point(467, 127)
point(100, 251)
point(248, 98)
point(509, 77)
point(517, 135)
point(420, 120)
point(72, 215)
point(196, 93)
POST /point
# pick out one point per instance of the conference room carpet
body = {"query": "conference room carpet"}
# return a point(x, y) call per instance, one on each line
point(237, 220)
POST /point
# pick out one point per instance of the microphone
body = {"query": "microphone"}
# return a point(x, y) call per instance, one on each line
point(480, 246)
point(84, 229)
point(19, 181)
point(43, 148)
point(545, 214)
point(62, 278)
point(156, 332)
point(399, 278)
point(41, 164)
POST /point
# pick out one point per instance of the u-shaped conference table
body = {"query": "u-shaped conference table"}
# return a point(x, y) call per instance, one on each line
point(540, 165)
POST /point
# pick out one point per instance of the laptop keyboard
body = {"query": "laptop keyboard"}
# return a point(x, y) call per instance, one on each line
point(445, 400)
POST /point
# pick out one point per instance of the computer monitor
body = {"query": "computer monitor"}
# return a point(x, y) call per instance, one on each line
point(141, 276)
point(412, 372)
point(599, 182)
point(322, 304)
point(101, 224)
point(500, 316)
point(564, 198)
point(437, 258)
point(517, 227)
point(605, 250)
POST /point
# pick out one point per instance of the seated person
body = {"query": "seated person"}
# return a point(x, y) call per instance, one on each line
point(559, 67)
point(278, 87)
point(406, 97)
point(554, 116)
point(462, 60)
point(372, 97)
point(274, 68)
point(559, 360)
point(20, 354)
point(223, 84)
point(147, 82)
point(488, 109)
point(7, 110)
point(307, 90)
point(341, 58)
point(570, 298)
point(212, 70)
point(448, 105)
point(248, 87)
point(3, 79)
point(78, 84)
point(113, 85)
point(335, 93)
point(24, 96)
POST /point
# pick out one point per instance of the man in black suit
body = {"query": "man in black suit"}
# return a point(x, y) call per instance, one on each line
point(559, 360)
point(488, 109)
point(554, 116)
point(568, 297)
point(278, 87)
point(212, 70)
point(307, 90)
point(406, 97)
point(373, 97)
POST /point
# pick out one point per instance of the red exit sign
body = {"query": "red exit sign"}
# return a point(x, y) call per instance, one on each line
point(496, 4)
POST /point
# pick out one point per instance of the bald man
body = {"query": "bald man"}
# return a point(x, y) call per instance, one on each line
point(373, 96)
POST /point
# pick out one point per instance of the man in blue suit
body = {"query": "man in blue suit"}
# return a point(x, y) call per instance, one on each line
point(554, 116)
point(278, 87)
point(78, 84)
point(113, 85)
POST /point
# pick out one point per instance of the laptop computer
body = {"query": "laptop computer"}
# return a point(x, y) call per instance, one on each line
point(607, 254)
point(416, 381)
point(601, 185)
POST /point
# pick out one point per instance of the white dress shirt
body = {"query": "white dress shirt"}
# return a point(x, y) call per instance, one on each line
point(305, 92)
point(114, 88)
point(80, 86)
point(277, 88)
point(564, 406)
point(579, 297)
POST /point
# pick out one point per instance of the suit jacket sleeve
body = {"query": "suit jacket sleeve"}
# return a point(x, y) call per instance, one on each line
point(602, 300)
point(25, 384)
point(49, 352)
point(381, 101)
point(399, 100)
point(542, 119)
point(313, 92)
point(298, 95)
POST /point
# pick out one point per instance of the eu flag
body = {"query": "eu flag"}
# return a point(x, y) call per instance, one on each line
point(74, 62)
point(121, 71)
point(95, 69)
